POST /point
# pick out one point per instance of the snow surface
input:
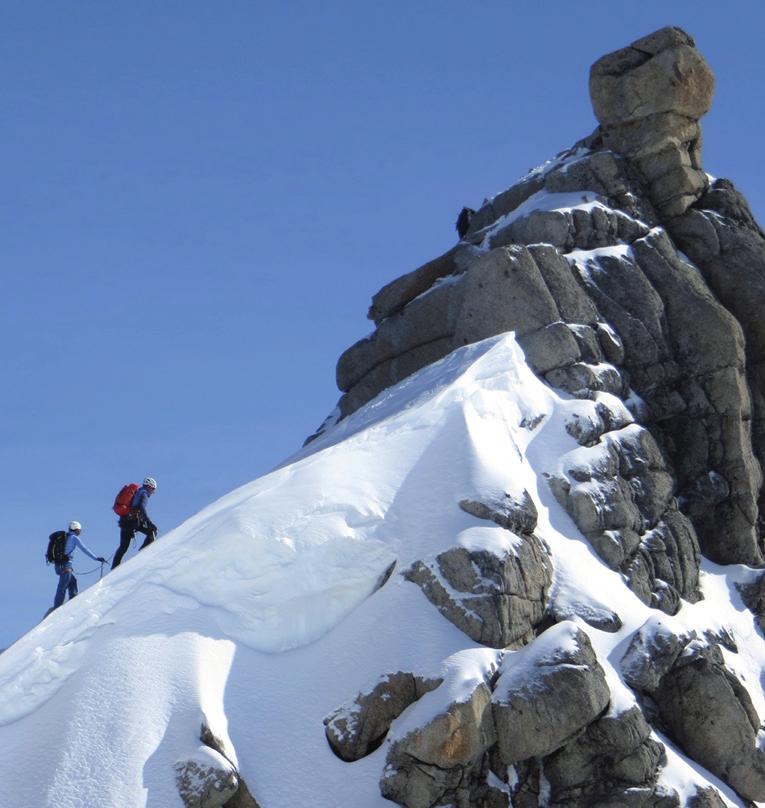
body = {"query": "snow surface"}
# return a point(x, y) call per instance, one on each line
point(263, 613)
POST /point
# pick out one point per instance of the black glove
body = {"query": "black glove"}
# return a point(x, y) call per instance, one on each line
point(153, 528)
point(101, 560)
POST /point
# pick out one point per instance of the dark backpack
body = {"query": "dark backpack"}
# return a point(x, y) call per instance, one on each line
point(56, 545)
point(122, 501)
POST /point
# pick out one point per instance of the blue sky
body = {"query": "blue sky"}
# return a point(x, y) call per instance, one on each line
point(199, 199)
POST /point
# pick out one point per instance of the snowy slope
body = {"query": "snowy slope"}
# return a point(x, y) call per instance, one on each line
point(261, 614)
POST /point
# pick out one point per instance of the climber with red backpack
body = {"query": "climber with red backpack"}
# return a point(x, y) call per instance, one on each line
point(130, 506)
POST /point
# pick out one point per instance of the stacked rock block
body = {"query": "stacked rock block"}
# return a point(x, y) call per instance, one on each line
point(648, 99)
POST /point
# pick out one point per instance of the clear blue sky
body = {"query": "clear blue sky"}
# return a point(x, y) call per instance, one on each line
point(199, 199)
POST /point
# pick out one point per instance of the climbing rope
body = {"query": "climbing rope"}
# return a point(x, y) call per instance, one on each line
point(95, 569)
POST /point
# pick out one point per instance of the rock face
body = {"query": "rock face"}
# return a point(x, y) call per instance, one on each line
point(587, 261)
point(721, 237)
point(635, 285)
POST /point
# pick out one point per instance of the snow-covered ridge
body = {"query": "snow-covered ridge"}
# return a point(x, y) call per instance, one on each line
point(260, 615)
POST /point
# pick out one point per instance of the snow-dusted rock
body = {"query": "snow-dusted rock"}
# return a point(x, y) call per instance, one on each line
point(753, 595)
point(241, 798)
point(516, 513)
point(206, 781)
point(566, 230)
point(557, 675)
point(706, 708)
point(685, 356)
point(432, 763)
point(652, 652)
point(357, 728)
point(708, 344)
point(614, 761)
point(496, 596)
point(595, 614)
point(707, 798)
point(710, 714)
point(503, 203)
point(619, 492)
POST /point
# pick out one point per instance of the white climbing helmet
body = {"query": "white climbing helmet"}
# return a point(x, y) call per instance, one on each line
point(150, 482)
point(73, 525)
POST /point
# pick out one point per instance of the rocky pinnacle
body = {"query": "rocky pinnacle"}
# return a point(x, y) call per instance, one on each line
point(648, 98)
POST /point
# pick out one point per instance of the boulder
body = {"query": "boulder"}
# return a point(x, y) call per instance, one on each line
point(707, 798)
point(430, 763)
point(550, 348)
point(627, 301)
point(652, 652)
point(662, 72)
point(582, 379)
point(602, 172)
point(704, 706)
point(557, 675)
point(496, 598)
point(208, 780)
point(570, 297)
point(594, 613)
point(241, 798)
point(514, 512)
point(355, 729)
point(423, 321)
point(391, 371)
point(710, 715)
point(607, 414)
point(614, 761)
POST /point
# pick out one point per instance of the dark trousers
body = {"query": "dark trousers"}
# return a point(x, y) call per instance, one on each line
point(128, 528)
point(66, 581)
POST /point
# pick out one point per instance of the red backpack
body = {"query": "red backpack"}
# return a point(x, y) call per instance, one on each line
point(122, 501)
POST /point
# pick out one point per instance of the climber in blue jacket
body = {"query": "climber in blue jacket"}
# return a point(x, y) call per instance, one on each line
point(64, 570)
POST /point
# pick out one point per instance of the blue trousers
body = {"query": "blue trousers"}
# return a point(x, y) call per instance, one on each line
point(66, 580)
